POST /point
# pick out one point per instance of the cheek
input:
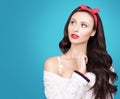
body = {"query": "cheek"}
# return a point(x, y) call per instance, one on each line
point(69, 29)
point(85, 35)
point(86, 32)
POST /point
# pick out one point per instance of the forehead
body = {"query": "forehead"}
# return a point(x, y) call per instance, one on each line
point(82, 16)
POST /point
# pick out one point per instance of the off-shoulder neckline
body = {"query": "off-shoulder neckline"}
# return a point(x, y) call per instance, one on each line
point(53, 74)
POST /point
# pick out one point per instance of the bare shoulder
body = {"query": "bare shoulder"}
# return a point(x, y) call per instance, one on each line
point(51, 65)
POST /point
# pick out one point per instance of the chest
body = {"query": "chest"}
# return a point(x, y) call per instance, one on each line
point(67, 67)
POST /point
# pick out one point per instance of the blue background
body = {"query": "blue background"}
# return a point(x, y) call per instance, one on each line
point(30, 31)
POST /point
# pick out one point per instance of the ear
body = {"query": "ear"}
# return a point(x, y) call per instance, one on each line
point(93, 33)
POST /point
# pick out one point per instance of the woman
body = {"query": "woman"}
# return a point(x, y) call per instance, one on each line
point(84, 70)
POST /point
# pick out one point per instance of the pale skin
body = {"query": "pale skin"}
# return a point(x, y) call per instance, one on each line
point(81, 24)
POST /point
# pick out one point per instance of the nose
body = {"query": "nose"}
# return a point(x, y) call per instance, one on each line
point(76, 28)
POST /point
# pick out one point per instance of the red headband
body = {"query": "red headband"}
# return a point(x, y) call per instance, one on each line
point(92, 11)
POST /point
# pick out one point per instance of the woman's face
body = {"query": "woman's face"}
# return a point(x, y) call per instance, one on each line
point(80, 28)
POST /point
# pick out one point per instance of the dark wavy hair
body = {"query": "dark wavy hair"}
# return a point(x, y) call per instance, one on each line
point(99, 61)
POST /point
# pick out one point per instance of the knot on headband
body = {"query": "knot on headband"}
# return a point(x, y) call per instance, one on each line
point(92, 11)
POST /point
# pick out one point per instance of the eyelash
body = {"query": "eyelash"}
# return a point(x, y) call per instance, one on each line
point(72, 22)
point(82, 25)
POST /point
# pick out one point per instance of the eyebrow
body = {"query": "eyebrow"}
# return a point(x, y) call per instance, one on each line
point(73, 19)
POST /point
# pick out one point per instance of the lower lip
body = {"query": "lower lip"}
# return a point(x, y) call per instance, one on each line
point(74, 36)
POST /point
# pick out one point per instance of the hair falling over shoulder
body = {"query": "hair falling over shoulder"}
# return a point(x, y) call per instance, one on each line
point(99, 61)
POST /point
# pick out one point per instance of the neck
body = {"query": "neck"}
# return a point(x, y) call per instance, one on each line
point(76, 50)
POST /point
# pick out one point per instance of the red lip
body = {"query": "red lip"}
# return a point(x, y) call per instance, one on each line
point(74, 36)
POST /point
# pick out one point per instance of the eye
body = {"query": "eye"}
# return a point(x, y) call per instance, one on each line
point(83, 25)
point(72, 22)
